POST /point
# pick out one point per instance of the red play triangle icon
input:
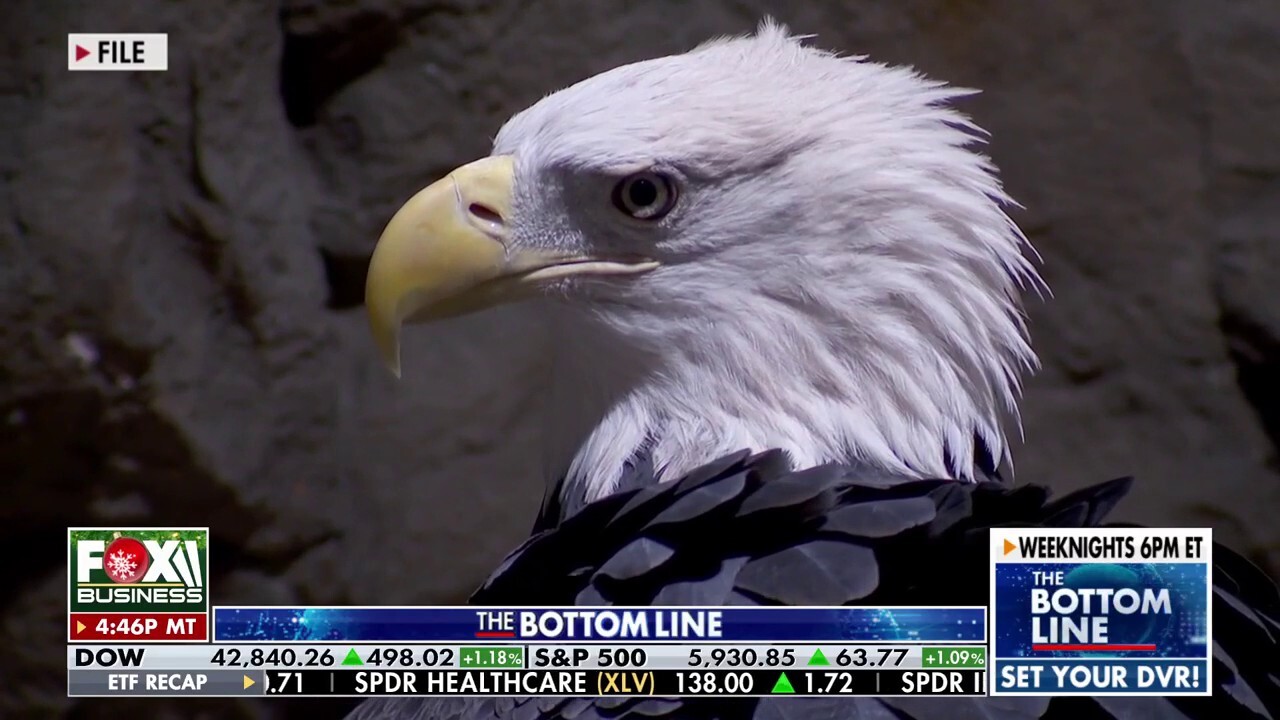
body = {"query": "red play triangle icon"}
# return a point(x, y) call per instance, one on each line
point(81, 53)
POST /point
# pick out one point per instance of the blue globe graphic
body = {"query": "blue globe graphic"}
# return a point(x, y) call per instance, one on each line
point(1121, 629)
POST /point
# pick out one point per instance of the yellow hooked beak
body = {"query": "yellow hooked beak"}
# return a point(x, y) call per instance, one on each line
point(447, 252)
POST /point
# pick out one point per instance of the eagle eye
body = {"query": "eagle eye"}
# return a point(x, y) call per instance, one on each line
point(645, 195)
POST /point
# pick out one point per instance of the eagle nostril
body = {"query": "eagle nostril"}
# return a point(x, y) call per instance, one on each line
point(485, 214)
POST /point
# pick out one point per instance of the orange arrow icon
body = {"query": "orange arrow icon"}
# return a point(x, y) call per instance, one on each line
point(248, 682)
point(79, 627)
point(1009, 547)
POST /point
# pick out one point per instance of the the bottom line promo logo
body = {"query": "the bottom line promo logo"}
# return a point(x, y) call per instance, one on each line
point(1101, 611)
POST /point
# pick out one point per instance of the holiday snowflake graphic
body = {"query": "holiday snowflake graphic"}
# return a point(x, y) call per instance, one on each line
point(121, 564)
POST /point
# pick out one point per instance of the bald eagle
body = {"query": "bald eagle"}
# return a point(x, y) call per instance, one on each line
point(786, 299)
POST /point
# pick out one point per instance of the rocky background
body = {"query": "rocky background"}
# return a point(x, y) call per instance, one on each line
point(182, 259)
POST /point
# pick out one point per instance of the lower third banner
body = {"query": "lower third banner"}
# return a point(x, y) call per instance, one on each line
point(1101, 611)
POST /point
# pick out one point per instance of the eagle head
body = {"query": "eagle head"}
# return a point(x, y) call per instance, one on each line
point(753, 244)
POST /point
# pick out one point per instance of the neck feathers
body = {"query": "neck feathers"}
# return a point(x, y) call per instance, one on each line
point(914, 390)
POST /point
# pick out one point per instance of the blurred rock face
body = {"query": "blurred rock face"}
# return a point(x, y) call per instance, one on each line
point(183, 253)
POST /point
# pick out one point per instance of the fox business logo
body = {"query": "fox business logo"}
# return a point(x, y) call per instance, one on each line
point(139, 570)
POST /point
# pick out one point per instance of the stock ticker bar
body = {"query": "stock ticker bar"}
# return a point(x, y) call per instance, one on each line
point(801, 680)
point(722, 683)
point(671, 656)
point(553, 652)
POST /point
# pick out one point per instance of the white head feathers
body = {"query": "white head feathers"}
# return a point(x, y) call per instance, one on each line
point(838, 277)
